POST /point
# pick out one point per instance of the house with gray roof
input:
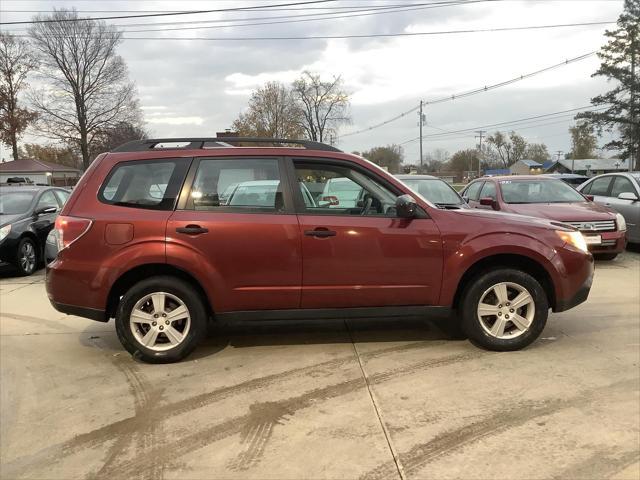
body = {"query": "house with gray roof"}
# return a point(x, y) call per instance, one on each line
point(589, 166)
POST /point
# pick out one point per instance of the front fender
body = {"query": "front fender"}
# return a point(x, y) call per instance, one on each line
point(461, 256)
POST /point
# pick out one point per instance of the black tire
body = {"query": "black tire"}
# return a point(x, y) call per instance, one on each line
point(473, 294)
point(605, 256)
point(173, 286)
point(26, 268)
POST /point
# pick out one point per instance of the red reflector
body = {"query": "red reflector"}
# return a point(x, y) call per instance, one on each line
point(70, 229)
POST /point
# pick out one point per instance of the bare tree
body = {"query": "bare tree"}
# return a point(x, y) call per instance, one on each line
point(324, 105)
point(272, 113)
point(89, 89)
point(509, 149)
point(16, 61)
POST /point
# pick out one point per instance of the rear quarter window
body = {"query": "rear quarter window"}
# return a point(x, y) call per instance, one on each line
point(148, 184)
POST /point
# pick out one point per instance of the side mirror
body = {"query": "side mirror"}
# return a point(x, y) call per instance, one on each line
point(465, 199)
point(589, 198)
point(406, 206)
point(45, 210)
point(489, 202)
point(331, 200)
point(628, 196)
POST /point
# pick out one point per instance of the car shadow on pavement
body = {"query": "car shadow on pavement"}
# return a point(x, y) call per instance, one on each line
point(9, 271)
point(317, 332)
point(290, 332)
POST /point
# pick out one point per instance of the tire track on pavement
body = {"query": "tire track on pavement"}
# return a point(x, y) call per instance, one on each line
point(192, 442)
point(498, 422)
point(130, 425)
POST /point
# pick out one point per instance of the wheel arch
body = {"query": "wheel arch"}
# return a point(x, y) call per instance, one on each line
point(141, 272)
point(507, 260)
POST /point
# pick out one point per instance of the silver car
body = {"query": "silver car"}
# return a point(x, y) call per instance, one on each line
point(620, 192)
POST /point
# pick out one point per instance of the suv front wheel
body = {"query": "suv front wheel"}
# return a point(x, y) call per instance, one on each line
point(161, 320)
point(504, 310)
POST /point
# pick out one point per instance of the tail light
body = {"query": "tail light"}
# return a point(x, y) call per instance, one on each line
point(70, 229)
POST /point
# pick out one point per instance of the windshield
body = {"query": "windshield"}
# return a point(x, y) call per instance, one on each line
point(434, 190)
point(538, 191)
point(14, 203)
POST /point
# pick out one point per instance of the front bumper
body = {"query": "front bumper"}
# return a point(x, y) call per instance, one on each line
point(9, 249)
point(610, 242)
point(579, 297)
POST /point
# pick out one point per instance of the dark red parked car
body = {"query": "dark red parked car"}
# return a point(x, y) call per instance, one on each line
point(540, 196)
point(153, 237)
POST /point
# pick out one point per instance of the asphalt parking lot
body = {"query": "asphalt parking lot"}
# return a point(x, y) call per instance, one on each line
point(369, 400)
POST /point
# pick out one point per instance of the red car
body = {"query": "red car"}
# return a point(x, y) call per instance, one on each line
point(537, 196)
point(151, 238)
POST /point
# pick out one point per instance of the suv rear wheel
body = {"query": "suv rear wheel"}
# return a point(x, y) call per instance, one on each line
point(161, 320)
point(504, 310)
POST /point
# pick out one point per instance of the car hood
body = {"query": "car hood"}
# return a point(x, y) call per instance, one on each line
point(563, 212)
point(6, 219)
point(508, 218)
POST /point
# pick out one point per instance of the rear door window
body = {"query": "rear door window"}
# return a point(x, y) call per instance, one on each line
point(621, 185)
point(240, 185)
point(149, 184)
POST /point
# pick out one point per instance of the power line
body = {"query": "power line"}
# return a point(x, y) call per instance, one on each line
point(374, 35)
point(540, 118)
point(262, 8)
point(191, 12)
point(337, 14)
point(472, 92)
point(292, 18)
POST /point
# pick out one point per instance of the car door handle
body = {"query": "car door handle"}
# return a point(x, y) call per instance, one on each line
point(192, 230)
point(320, 233)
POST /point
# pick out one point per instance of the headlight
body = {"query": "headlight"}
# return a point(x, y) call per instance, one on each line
point(4, 231)
point(620, 222)
point(573, 238)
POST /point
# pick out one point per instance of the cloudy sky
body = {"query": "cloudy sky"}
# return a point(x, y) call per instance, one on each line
point(195, 87)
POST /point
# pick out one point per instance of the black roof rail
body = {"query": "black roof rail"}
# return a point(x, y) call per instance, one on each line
point(223, 142)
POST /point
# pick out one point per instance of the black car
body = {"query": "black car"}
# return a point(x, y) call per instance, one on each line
point(27, 215)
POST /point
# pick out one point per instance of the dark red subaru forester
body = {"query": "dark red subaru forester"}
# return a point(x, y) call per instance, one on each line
point(168, 235)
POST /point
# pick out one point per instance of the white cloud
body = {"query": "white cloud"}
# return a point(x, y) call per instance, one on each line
point(176, 120)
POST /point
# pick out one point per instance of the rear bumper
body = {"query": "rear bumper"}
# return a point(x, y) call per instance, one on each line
point(91, 313)
point(69, 284)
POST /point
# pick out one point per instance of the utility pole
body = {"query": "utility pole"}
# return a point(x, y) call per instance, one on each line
point(634, 152)
point(480, 136)
point(421, 120)
point(559, 154)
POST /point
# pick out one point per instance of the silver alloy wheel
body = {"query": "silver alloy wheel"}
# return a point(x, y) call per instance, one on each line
point(27, 257)
point(506, 310)
point(160, 321)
